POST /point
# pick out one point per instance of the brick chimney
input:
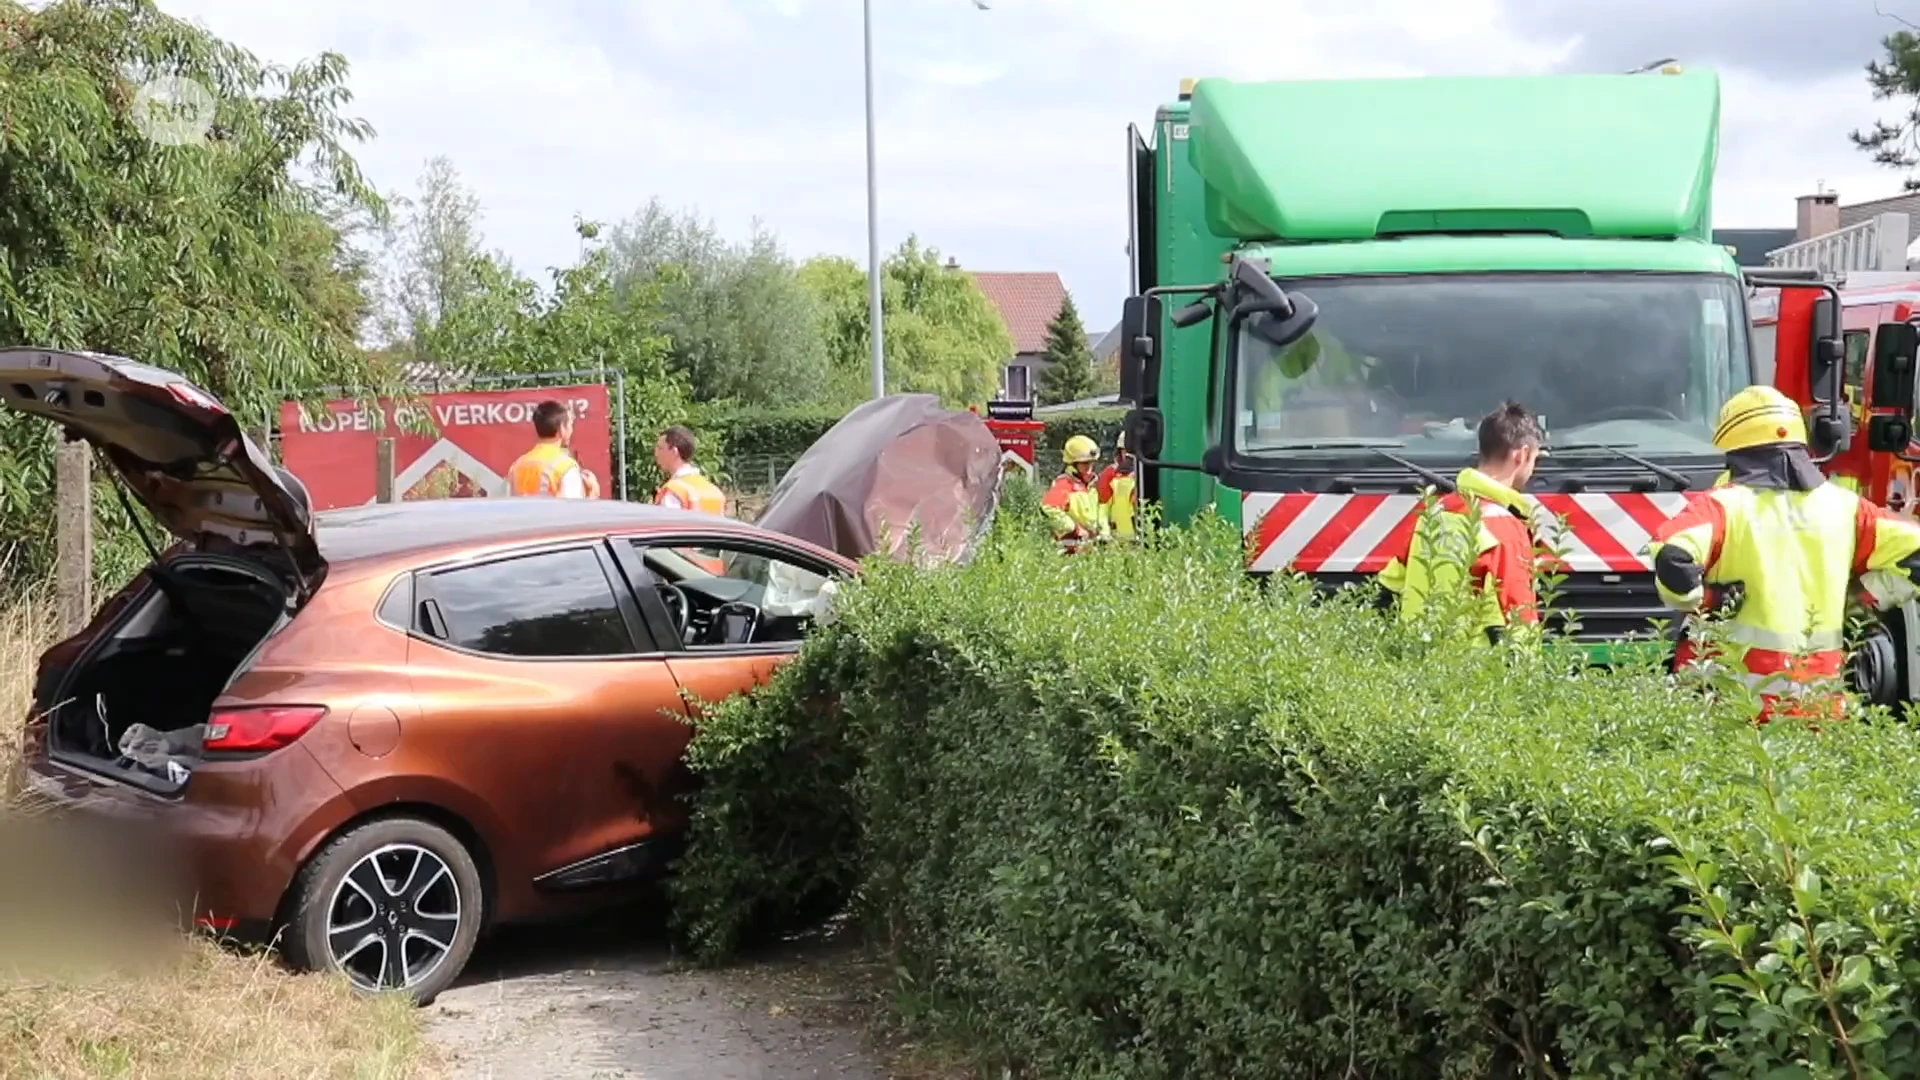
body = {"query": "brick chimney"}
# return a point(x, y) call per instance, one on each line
point(954, 264)
point(1816, 215)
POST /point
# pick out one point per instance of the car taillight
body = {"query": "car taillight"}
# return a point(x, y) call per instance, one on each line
point(260, 728)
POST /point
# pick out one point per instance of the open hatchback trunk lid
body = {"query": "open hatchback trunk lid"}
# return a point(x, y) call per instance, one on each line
point(181, 453)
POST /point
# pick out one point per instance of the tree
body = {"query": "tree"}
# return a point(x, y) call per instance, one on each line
point(740, 325)
point(435, 262)
point(208, 244)
point(1896, 76)
point(943, 336)
point(504, 323)
point(1069, 374)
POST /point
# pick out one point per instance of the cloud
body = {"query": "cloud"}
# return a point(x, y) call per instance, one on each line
point(1792, 40)
point(999, 132)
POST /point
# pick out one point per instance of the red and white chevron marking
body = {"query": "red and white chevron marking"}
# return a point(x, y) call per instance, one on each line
point(1314, 533)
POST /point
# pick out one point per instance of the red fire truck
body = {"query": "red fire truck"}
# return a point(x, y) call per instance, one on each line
point(1867, 443)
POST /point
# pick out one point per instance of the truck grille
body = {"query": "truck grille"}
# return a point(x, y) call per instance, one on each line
point(1610, 607)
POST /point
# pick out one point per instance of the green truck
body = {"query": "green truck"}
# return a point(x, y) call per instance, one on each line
point(1333, 280)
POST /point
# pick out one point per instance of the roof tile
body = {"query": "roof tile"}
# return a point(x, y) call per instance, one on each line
point(1027, 303)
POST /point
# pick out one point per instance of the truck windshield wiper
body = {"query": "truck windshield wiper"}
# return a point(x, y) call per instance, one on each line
point(1654, 467)
point(1378, 449)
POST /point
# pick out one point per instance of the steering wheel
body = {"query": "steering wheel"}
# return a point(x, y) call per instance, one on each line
point(678, 609)
point(1626, 412)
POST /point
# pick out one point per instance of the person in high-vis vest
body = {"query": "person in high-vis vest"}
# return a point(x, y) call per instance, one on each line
point(687, 488)
point(549, 468)
point(1481, 534)
point(1769, 557)
point(1071, 505)
point(1117, 490)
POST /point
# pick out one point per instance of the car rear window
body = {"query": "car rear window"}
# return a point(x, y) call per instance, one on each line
point(550, 604)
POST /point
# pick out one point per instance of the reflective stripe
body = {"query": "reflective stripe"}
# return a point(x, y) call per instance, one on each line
point(1887, 590)
point(1760, 637)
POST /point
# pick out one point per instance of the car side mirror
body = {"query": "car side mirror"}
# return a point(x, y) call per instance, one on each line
point(1139, 347)
point(1891, 376)
point(1214, 461)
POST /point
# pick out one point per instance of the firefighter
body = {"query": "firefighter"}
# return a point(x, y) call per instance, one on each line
point(1072, 505)
point(549, 467)
point(1769, 556)
point(1497, 555)
point(1117, 490)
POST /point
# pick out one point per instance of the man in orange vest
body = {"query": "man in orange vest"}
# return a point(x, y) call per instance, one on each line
point(1480, 533)
point(687, 488)
point(549, 468)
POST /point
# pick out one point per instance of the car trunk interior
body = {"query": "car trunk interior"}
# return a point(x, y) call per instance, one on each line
point(167, 660)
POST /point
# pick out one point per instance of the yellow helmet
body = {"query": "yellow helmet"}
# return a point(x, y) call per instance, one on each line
point(1079, 450)
point(1757, 416)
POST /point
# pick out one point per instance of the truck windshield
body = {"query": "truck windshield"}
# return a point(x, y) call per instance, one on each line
point(1641, 362)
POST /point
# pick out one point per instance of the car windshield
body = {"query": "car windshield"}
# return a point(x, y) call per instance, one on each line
point(1640, 362)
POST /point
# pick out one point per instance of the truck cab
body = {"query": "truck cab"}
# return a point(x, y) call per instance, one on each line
point(1879, 324)
point(1334, 281)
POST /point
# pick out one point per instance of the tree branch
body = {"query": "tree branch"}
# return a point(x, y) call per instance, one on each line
point(1902, 20)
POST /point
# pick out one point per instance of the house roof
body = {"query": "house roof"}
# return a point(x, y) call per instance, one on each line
point(1907, 202)
point(1027, 301)
point(1107, 344)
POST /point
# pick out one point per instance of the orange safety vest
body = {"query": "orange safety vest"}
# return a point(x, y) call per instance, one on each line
point(701, 495)
point(540, 470)
point(696, 493)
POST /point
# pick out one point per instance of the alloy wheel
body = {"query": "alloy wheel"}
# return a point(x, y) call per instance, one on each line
point(392, 919)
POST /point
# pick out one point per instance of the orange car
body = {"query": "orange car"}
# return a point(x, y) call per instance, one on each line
point(380, 731)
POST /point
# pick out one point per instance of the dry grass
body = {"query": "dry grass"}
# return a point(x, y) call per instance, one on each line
point(99, 998)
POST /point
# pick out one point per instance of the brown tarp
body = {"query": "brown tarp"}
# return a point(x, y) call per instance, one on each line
point(888, 466)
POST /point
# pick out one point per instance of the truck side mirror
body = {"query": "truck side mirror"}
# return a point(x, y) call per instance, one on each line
point(1891, 375)
point(1139, 348)
point(1146, 432)
point(1829, 427)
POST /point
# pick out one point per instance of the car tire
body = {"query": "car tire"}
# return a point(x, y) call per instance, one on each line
point(399, 884)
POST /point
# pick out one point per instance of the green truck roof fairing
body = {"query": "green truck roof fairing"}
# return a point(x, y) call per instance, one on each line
point(1572, 155)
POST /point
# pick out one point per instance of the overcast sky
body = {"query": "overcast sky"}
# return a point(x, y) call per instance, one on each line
point(1000, 131)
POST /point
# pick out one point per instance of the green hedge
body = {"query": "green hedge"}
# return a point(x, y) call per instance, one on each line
point(753, 435)
point(1102, 424)
point(1127, 814)
point(781, 433)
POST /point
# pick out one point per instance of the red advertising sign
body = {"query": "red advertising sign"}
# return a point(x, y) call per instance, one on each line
point(475, 438)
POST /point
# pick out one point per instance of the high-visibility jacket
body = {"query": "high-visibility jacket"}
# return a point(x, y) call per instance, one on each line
point(540, 470)
point(1497, 558)
point(695, 492)
point(1792, 553)
point(1072, 507)
point(1116, 490)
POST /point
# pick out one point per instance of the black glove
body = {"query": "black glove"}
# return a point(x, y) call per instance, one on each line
point(1724, 598)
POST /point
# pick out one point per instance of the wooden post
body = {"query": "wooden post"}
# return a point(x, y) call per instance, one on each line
point(383, 471)
point(73, 535)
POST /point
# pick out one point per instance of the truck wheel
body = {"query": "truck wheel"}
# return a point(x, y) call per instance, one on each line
point(392, 905)
point(1877, 667)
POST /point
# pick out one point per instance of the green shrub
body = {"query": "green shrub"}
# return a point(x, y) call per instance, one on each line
point(1102, 425)
point(1130, 814)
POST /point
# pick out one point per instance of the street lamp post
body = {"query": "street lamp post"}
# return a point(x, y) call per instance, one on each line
point(877, 340)
point(877, 345)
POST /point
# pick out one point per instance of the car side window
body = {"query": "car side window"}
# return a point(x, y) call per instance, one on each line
point(1858, 345)
point(721, 596)
point(550, 604)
